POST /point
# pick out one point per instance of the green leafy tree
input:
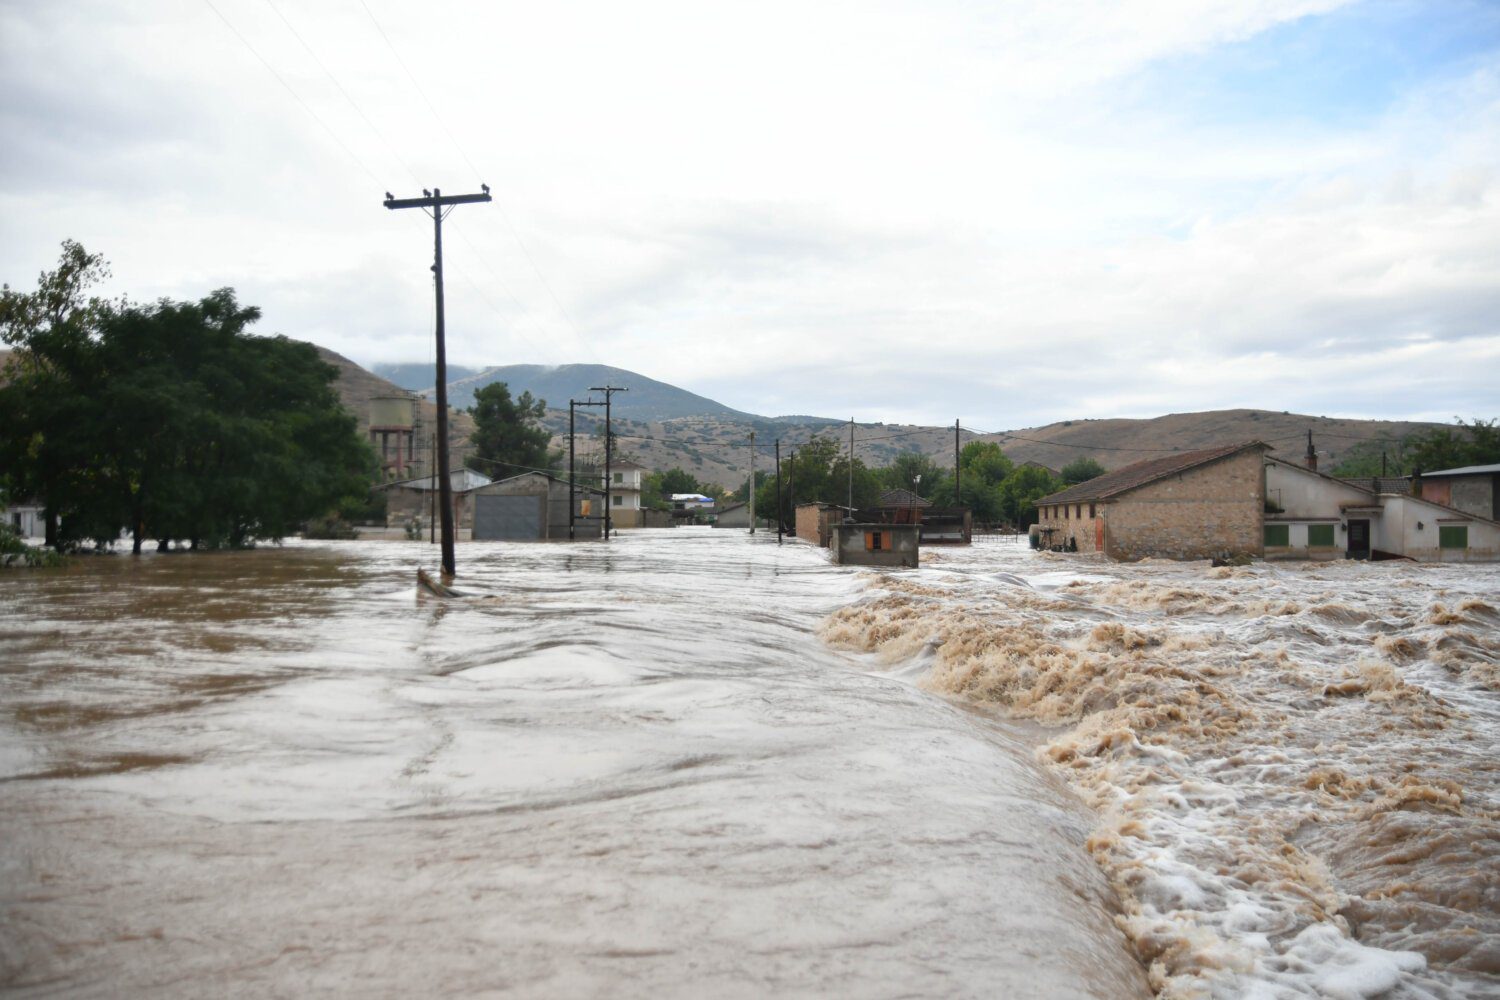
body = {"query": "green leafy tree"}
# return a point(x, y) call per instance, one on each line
point(916, 472)
point(508, 436)
point(168, 420)
point(1081, 470)
point(1021, 490)
point(1476, 443)
point(50, 403)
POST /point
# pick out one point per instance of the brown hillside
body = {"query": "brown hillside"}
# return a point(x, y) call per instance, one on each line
point(356, 387)
point(1118, 442)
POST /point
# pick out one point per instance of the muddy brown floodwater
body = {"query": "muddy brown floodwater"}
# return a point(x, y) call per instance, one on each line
point(1294, 765)
point(629, 769)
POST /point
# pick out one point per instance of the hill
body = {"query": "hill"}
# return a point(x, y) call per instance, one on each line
point(711, 441)
point(417, 375)
point(1118, 442)
point(646, 400)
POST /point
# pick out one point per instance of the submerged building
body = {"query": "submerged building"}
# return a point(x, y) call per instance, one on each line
point(1194, 505)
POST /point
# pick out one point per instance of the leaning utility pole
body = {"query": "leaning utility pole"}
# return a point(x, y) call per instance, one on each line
point(752, 482)
point(609, 449)
point(433, 204)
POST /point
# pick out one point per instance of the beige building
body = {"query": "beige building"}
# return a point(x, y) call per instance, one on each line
point(1313, 516)
point(1195, 505)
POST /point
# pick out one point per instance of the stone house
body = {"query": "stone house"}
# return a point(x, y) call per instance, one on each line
point(1194, 505)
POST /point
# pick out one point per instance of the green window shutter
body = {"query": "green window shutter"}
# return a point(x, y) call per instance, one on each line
point(1320, 535)
point(1453, 536)
point(1278, 535)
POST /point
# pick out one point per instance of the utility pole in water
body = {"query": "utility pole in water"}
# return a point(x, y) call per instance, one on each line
point(432, 202)
point(609, 449)
point(752, 482)
point(573, 405)
point(778, 491)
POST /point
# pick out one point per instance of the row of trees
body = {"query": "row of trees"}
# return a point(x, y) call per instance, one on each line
point(1475, 443)
point(169, 420)
point(989, 484)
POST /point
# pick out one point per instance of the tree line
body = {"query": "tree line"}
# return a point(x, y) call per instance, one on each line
point(167, 420)
point(1464, 444)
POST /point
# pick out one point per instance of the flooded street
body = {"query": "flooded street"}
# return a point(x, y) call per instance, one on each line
point(630, 769)
point(1294, 765)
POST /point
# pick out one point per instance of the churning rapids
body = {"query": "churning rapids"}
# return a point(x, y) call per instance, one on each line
point(1293, 766)
point(623, 769)
point(691, 763)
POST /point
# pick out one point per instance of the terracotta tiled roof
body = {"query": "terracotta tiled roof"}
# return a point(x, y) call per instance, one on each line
point(902, 498)
point(1132, 476)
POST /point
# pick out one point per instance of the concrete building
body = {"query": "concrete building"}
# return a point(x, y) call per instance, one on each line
point(735, 515)
point(1312, 516)
point(411, 499)
point(534, 507)
point(625, 494)
point(1473, 489)
point(857, 544)
point(1195, 505)
point(393, 434)
point(814, 522)
point(29, 520)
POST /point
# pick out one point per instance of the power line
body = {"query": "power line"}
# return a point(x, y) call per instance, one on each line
point(295, 96)
point(504, 215)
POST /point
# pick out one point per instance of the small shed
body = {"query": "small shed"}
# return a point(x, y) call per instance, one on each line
point(815, 521)
point(735, 515)
point(413, 498)
point(867, 544)
point(534, 507)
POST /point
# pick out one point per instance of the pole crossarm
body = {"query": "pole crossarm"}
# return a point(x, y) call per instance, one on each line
point(436, 201)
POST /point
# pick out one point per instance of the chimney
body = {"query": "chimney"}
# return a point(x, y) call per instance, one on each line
point(1416, 481)
point(1312, 456)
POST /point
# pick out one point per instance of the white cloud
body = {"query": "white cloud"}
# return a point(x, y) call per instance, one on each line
point(891, 211)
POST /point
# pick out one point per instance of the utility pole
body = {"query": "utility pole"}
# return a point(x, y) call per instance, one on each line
point(432, 493)
point(433, 204)
point(573, 405)
point(779, 518)
point(791, 489)
point(851, 466)
point(752, 482)
point(958, 496)
point(609, 450)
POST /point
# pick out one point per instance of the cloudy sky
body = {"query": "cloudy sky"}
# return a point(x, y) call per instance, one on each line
point(1010, 212)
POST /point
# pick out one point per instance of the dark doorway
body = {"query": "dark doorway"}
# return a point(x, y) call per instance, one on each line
point(1359, 539)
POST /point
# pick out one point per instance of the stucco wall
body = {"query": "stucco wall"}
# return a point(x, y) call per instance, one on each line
point(403, 504)
point(1396, 530)
point(1214, 509)
point(900, 544)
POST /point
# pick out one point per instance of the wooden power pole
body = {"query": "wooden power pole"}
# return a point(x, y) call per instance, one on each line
point(433, 202)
